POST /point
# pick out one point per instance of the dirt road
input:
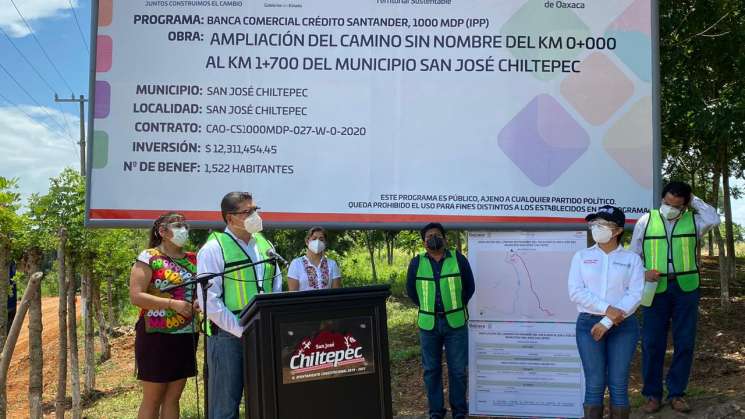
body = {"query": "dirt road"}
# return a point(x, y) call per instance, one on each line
point(18, 374)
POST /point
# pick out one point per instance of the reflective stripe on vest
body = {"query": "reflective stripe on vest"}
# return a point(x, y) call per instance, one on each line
point(684, 244)
point(239, 287)
point(450, 292)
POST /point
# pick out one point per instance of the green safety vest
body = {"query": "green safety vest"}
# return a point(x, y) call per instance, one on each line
point(450, 291)
point(684, 242)
point(239, 287)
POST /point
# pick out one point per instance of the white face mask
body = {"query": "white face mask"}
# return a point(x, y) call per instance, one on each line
point(253, 223)
point(316, 246)
point(669, 212)
point(180, 236)
point(601, 234)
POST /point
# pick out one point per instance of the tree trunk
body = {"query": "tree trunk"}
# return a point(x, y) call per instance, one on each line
point(89, 345)
point(113, 320)
point(4, 285)
point(371, 250)
point(711, 243)
point(10, 344)
point(36, 356)
point(729, 239)
point(60, 400)
point(390, 245)
point(103, 333)
point(72, 342)
point(723, 264)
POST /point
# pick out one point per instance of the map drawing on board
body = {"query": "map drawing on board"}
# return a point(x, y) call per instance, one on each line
point(523, 281)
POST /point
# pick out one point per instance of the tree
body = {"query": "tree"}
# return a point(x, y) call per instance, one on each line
point(32, 264)
point(60, 213)
point(9, 226)
point(702, 52)
point(390, 244)
point(59, 403)
point(7, 352)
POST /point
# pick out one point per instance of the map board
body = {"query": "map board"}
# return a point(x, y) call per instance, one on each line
point(523, 358)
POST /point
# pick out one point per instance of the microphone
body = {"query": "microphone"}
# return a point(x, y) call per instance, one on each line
point(273, 254)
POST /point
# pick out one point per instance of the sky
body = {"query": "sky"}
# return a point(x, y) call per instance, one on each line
point(38, 137)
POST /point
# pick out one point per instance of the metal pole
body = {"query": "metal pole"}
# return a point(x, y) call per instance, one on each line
point(82, 135)
point(82, 101)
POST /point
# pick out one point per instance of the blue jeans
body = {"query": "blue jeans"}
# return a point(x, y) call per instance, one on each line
point(682, 308)
point(607, 362)
point(455, 342)
point(225, 364)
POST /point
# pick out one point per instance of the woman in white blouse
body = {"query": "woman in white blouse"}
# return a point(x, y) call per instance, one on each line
point(606, 283)
point(314, 271)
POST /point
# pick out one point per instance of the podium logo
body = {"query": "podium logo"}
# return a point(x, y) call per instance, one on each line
point(326, 350)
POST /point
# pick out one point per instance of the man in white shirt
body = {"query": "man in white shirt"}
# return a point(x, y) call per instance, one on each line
point(667, 240)
point(240, 244)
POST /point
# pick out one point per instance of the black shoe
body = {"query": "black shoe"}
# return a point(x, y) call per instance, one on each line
point(593, 412)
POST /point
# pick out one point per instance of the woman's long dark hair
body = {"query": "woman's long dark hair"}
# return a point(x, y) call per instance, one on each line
point(155, 238)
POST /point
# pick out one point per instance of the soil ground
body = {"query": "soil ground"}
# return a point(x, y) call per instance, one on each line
point(717, 386)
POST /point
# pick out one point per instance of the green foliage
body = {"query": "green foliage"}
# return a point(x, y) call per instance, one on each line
point(62, 206)
point(291, 243)
point(402, 330)
point(356, 270)
point(12, 225)
point(702, 57)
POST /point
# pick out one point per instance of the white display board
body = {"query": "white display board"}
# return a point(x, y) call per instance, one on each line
point(370, 112)
point(523, 358)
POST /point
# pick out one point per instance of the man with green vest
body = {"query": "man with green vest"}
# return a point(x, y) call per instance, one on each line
point(227, 295)
point(667, 239)
point(440, 283)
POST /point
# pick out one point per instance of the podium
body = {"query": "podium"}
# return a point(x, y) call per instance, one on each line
point(317, 354)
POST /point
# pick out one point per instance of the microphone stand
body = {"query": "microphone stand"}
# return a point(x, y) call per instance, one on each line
point(203, 280)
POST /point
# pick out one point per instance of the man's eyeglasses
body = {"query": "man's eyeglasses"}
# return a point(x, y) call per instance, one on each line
point(245, 212)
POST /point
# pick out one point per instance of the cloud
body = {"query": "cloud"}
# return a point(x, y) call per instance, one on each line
point(34, 150)
point(32, 10)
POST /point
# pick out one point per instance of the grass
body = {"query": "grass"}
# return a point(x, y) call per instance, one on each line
point(357, 270)
point(403, 342)
point(122, 397)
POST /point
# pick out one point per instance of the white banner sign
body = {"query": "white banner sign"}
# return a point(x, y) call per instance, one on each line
point(471, 112)
point(523, 358)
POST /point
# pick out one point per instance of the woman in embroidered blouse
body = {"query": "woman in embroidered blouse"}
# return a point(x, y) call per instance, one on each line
point(165, 340)
point(314, 271)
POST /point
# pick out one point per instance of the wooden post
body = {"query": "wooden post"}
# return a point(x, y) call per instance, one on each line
point(60, 400)
point(103, 331)
point(110, 299)
point(35, 348)
point(89, 348)
point(10, 344)
point(72, 343)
